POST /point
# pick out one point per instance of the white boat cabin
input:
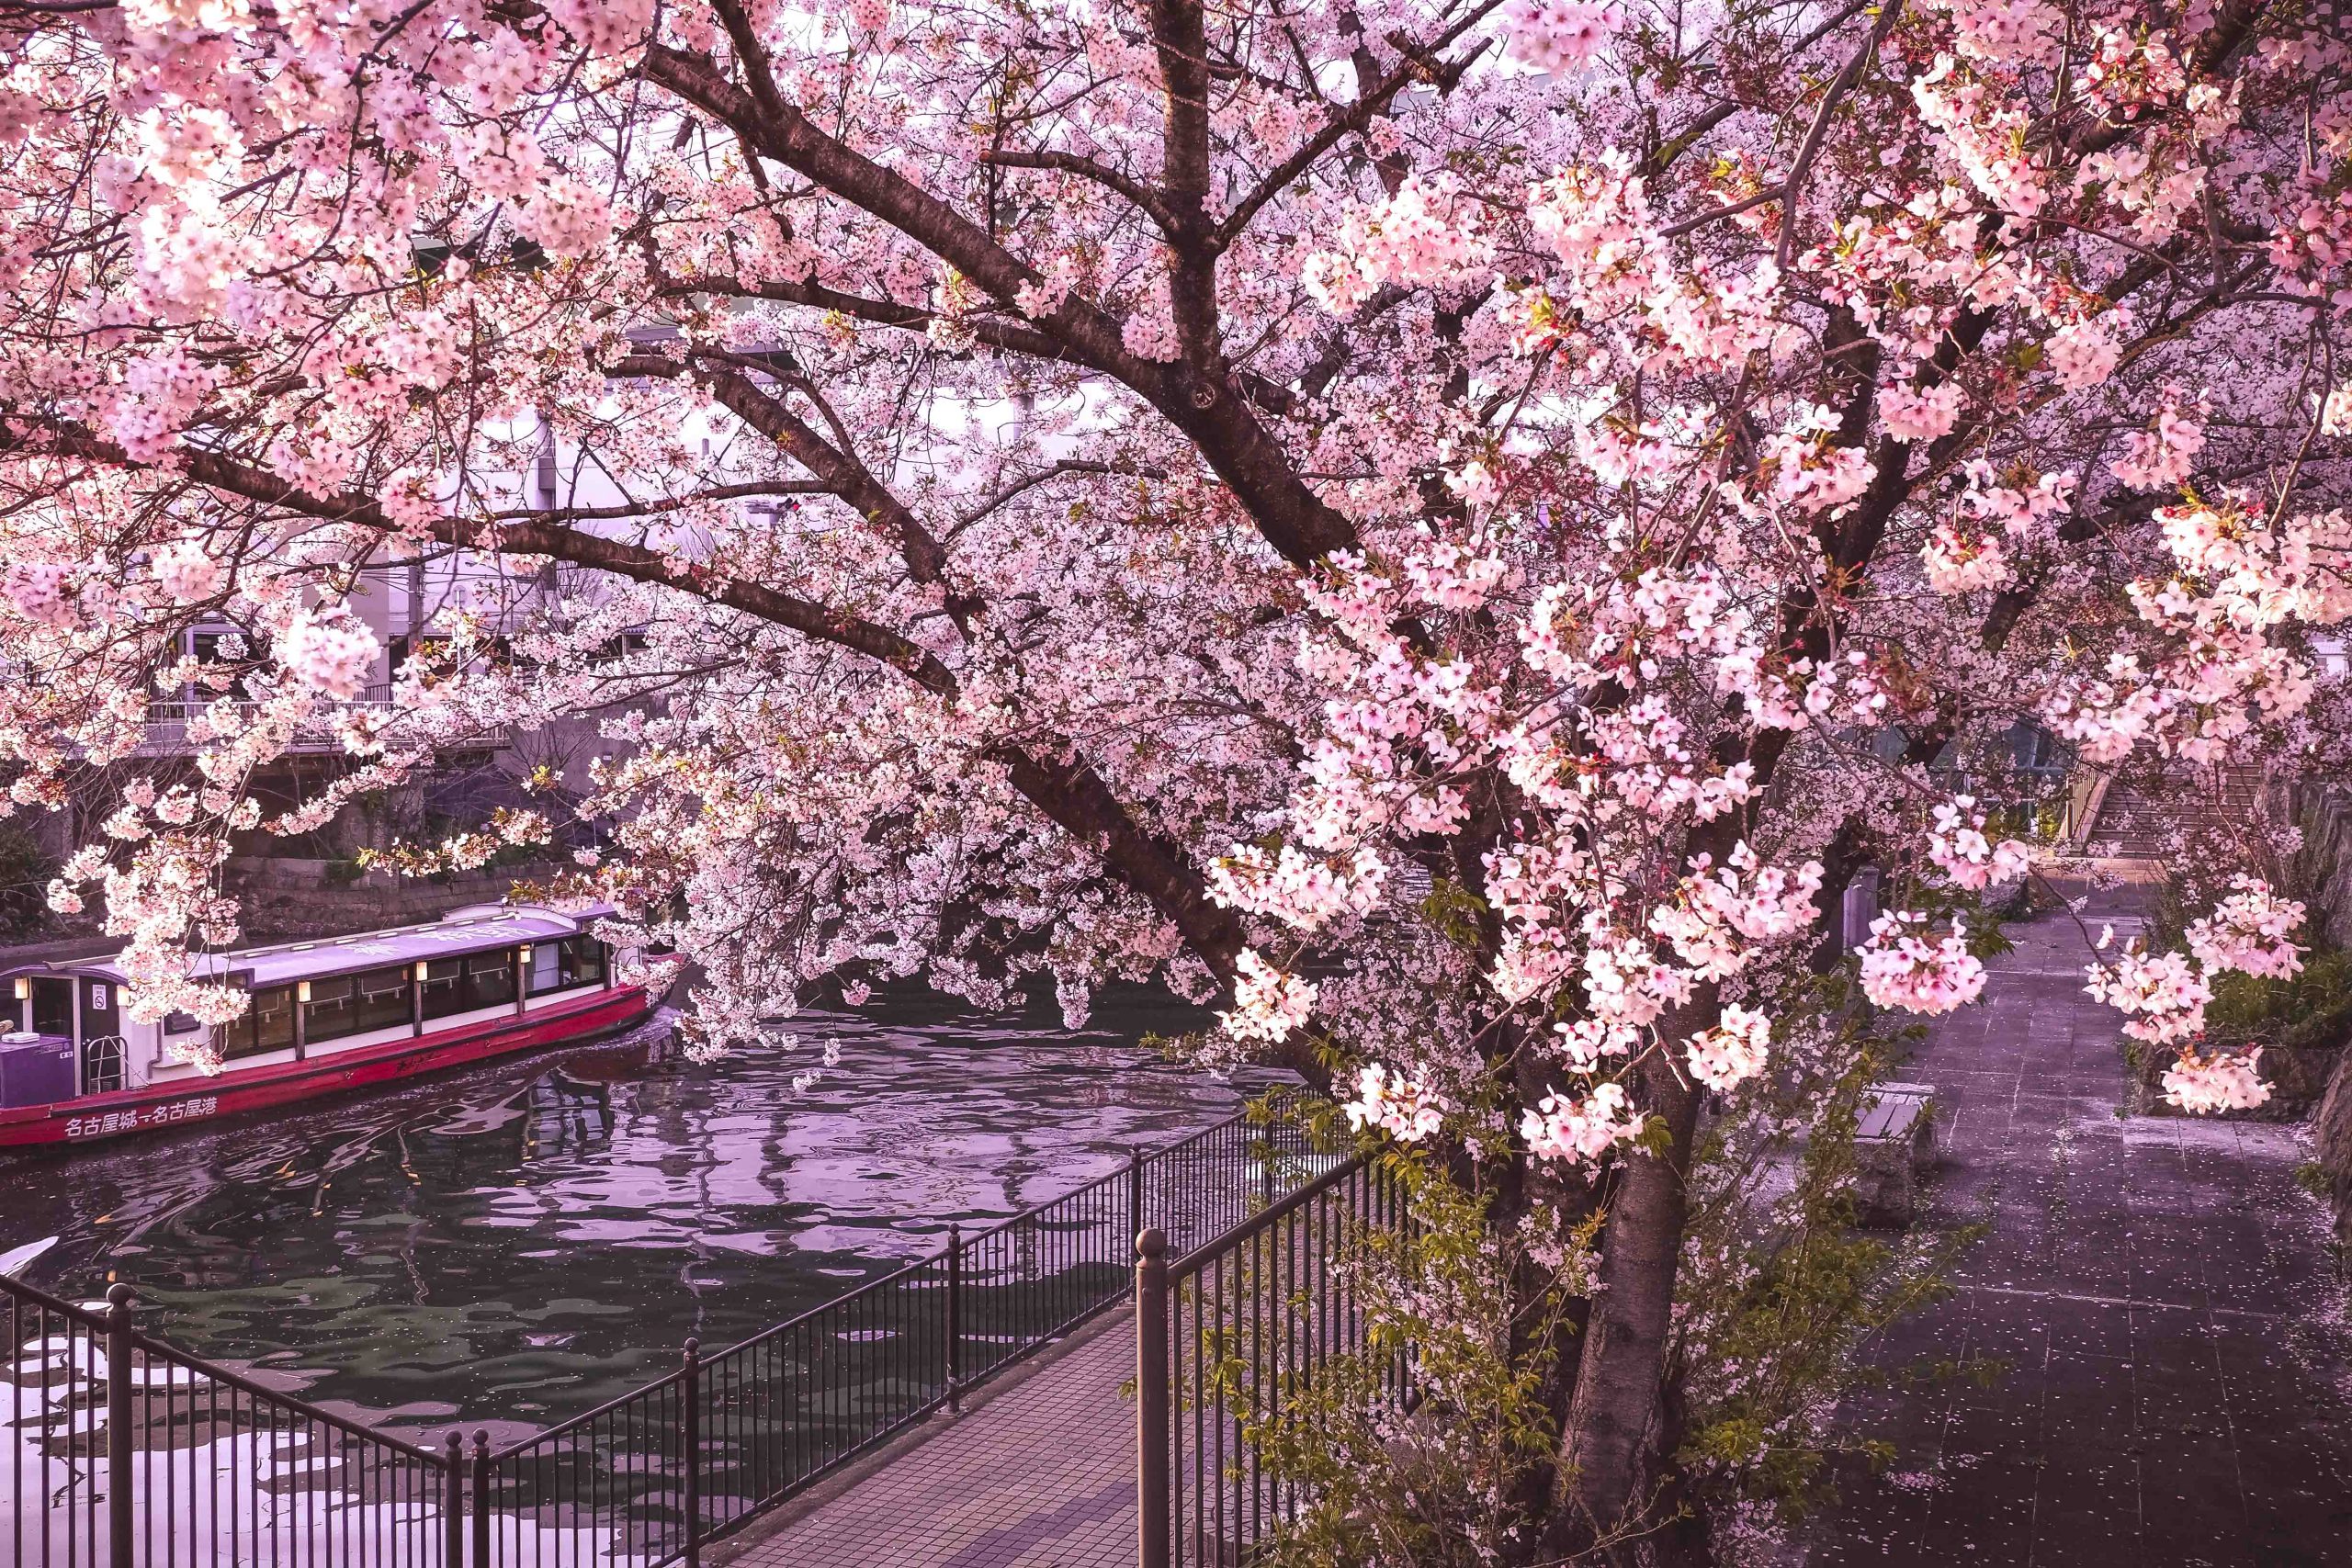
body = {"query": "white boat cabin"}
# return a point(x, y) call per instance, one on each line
point(310, 999)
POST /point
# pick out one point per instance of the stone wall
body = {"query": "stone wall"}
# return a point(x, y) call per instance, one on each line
point(290, 899)
point(2325, 865)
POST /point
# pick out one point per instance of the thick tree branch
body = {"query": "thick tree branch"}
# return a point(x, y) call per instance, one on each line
point(1142, 196)
point(1351, 120)
point(1069, 791)
point(1181, 38)
point(1288, 513)
point(1008, 335)
point(837, 469)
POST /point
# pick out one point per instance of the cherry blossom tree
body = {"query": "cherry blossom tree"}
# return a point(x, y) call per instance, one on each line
point(1450, 530)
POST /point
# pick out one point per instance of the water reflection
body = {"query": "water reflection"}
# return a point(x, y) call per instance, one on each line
point(516, 1244)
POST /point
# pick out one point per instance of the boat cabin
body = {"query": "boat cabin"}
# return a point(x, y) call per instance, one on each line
point(64, 1033)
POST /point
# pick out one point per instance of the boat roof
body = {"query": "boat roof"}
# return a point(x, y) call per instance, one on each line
point(475, 928)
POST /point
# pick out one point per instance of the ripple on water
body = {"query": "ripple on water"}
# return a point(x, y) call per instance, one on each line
point(539, 1236)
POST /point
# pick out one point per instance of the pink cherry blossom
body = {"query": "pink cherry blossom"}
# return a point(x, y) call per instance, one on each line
point(1560, 35)
point(2221, 1080)
point(329, 651)
point(1267, 1004)
point(1398, 1104)
point(1580, 1131)
point(2251, 932)
point(1906, 965)
point(1957, 845)
point(1732, 1052)
point(2163, 995)
point(1921, 413)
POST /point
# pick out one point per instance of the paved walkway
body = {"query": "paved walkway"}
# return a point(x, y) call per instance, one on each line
point(1038, 1472)
point(2178, 1392)
point(2163, 1292)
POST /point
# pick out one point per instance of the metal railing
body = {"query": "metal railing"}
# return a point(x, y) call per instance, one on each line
point(168, 720)
point(128, 1452)
point(656, 1474)
point(1235, 1339)
point(124, 1451)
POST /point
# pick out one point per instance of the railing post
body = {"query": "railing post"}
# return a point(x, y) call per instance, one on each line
point(481, 1500)
point(1135, 1192)
point(120, 1525)
point(955, 1316)
point(452, 1505)
point(690, 1438)
point(1152, 1522)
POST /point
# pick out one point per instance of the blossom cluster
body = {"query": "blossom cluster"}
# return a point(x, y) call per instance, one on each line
point(1957, 845)
point(1906, 964)
point(1732, 1052)
point(2250, 931)
point(1399, 1104)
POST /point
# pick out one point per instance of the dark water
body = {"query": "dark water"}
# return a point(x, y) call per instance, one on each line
point(523, 1241)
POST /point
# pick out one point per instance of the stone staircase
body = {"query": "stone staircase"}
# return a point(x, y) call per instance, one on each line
point(2142, 816)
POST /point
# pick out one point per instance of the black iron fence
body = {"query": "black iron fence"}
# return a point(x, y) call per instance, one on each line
point(656, 1474)
point(1246, 1340)
point(125, 1451)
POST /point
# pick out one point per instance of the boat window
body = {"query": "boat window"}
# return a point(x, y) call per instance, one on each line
point(383, 998)
point(462, 985)
point(273, 1017)
point(585, 955)
point(443, 988)
point(268, 1025)
point(353, 1004)
point(52, 1007)
point(490, 979)
point(181, 1023)
point(562, 965)
point(333, 1010)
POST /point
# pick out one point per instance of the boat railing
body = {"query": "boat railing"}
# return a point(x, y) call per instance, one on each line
point(102, 1064)
point(245, 1473)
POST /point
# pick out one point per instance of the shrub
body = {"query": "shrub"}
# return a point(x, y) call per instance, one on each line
point(2313, 1008)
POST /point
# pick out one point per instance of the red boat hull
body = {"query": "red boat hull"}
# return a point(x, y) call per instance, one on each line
point(96, 1117)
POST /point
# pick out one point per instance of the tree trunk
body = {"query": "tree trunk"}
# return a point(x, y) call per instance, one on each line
point(1619, 1378)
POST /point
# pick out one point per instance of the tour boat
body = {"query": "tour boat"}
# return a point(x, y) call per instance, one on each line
point(326, 1016)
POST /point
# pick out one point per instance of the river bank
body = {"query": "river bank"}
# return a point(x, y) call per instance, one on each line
point(523, 1241)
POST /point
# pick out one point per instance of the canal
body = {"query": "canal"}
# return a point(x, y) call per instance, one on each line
point(515, 1243)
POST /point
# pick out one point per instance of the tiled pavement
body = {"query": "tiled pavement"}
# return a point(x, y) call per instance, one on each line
point(1038, 1472)
point(2178, 1392)
point(2163, 1292)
